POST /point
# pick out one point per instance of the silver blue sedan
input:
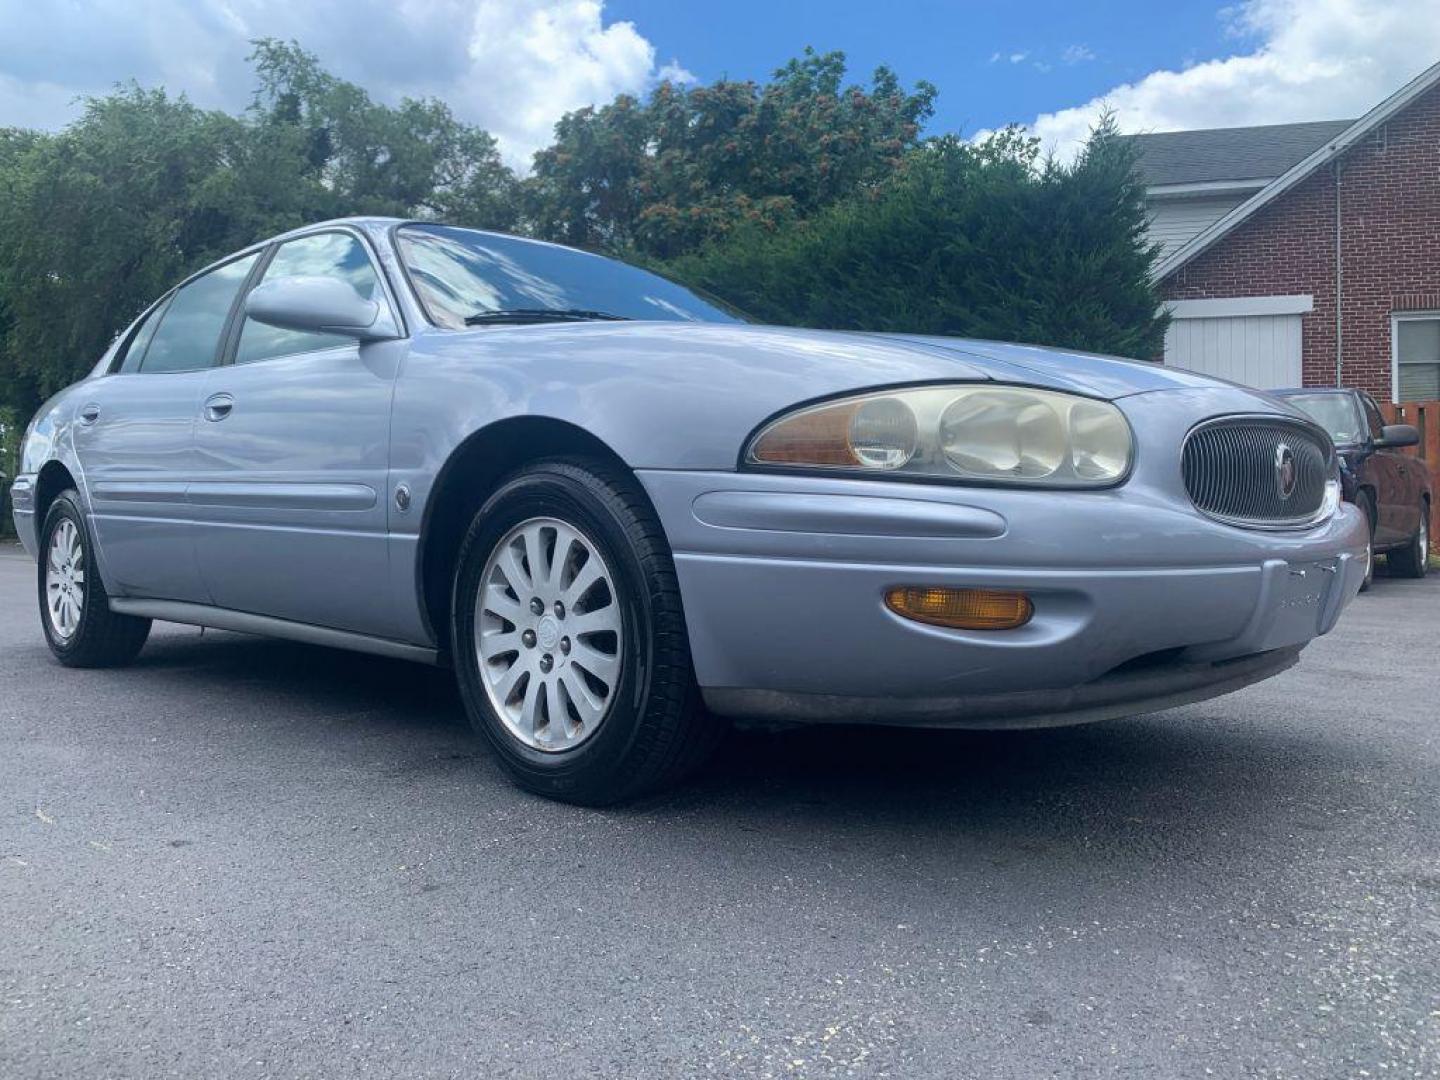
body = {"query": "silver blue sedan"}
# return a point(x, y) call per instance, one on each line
point(622, 513)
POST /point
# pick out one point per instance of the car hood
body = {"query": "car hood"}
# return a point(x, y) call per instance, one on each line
point(801, 363)
point(1055, 369)
point(689, 395)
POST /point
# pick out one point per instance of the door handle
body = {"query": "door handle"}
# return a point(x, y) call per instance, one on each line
point(218, 406)
point(89, 414)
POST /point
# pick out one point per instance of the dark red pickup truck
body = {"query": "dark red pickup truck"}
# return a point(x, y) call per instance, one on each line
point(1394, 489)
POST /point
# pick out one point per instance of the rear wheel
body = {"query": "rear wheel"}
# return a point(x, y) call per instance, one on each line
point(75, 612)
point(569, 640)
point(1411, 560)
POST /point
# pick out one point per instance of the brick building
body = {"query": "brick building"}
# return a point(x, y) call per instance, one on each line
point(1263, 228)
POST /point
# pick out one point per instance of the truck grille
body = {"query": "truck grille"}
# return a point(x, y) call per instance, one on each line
point(1257, 471)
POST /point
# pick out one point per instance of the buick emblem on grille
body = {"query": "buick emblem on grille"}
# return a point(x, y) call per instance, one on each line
point(1286, 473)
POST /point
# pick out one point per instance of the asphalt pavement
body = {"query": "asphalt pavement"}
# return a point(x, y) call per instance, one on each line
point(244, 858)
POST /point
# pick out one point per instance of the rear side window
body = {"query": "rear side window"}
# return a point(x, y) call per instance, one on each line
point(189, 330)
point(333, 255)
point(141, 341)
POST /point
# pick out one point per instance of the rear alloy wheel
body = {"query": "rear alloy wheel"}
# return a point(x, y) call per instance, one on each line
point(75, 612)
point(1411, 560)
point(568, 637)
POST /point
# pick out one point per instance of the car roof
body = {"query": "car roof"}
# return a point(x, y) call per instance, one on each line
point(377, 222)
point(1293, 390)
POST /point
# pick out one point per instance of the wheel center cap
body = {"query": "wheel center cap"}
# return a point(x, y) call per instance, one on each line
point(548, 632)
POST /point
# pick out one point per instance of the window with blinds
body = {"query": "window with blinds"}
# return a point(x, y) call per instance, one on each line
point(1417, 356)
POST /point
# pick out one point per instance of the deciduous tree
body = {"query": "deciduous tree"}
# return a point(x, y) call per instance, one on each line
point(686, 166)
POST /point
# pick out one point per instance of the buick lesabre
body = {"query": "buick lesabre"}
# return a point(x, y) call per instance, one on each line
point(623, 513)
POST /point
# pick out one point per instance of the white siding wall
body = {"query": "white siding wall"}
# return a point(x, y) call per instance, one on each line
point(1174, 221)
point(1258, 350)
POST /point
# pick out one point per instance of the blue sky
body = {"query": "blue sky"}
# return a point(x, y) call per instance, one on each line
point(516, 66)
point(1068, 52)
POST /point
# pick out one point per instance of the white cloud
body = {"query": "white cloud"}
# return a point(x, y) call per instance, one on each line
point(1310, 60)
point(1077, 54)
point(674, 73)
point(512, 66)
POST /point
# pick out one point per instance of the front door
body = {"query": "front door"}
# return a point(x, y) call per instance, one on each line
point(134, 439)
point(293, 447)
point(1397, 503)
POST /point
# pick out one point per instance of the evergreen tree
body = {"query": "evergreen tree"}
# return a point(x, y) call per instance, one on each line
point(986, 241)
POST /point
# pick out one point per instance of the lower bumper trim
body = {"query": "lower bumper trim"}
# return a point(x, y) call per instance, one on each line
point(1118, 694)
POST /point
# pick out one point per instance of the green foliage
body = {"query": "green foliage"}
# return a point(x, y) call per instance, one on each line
point(803, 199)
point(11, 429)
point(100, 219)
point(984, 241)
point(357, 157)
point(686, 167)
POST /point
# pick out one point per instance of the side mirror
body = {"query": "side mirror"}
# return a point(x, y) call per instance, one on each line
point(323, 305)
point(1395, 436)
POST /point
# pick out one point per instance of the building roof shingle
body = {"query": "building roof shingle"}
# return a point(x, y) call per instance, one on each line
point(1220, 154)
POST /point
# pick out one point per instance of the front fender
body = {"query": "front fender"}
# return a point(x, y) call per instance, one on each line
point(48, 446)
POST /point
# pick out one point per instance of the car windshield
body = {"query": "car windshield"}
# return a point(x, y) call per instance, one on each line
point(1336, 413)
point(474, 278)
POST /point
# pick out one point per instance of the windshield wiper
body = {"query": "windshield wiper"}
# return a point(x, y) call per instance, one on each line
point(540, 315)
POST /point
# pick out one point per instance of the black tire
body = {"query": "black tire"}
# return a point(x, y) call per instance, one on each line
point(1412, 560)
point(1366, 506)
point(655, 731)
point(98, 637)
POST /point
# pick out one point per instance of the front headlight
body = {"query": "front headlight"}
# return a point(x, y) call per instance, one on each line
point(1001, 434)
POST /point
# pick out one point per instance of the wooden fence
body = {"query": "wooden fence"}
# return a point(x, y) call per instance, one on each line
point(1425, 415)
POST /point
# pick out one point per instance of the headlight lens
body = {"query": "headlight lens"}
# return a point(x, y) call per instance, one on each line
point(1331, 502)
point(882, 433)
point(1004, 434)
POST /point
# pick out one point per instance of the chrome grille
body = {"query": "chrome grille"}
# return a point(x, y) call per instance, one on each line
point(1235, 469)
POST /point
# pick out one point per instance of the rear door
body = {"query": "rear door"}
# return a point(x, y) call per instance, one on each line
point(293, 448)
point(134, 438)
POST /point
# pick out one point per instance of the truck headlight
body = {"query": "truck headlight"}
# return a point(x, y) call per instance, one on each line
point(983, 432)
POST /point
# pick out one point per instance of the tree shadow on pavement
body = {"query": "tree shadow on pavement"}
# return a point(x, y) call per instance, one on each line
point(1174, 771)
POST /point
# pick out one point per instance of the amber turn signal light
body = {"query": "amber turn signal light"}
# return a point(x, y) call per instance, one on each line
point(961, 609)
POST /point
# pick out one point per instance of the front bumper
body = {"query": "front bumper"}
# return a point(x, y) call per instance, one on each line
point(22, 506)
point(1140, 602)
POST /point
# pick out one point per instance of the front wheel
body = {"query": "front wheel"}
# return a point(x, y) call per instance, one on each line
point(1411, 560)
point(569, 639)
point(80, 628)
point(1366, 507)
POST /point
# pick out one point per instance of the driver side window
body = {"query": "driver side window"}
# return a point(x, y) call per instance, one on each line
point(331, 254)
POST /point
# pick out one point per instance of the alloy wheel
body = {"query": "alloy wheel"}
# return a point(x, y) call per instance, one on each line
point(65, 580)
point(549, 634)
